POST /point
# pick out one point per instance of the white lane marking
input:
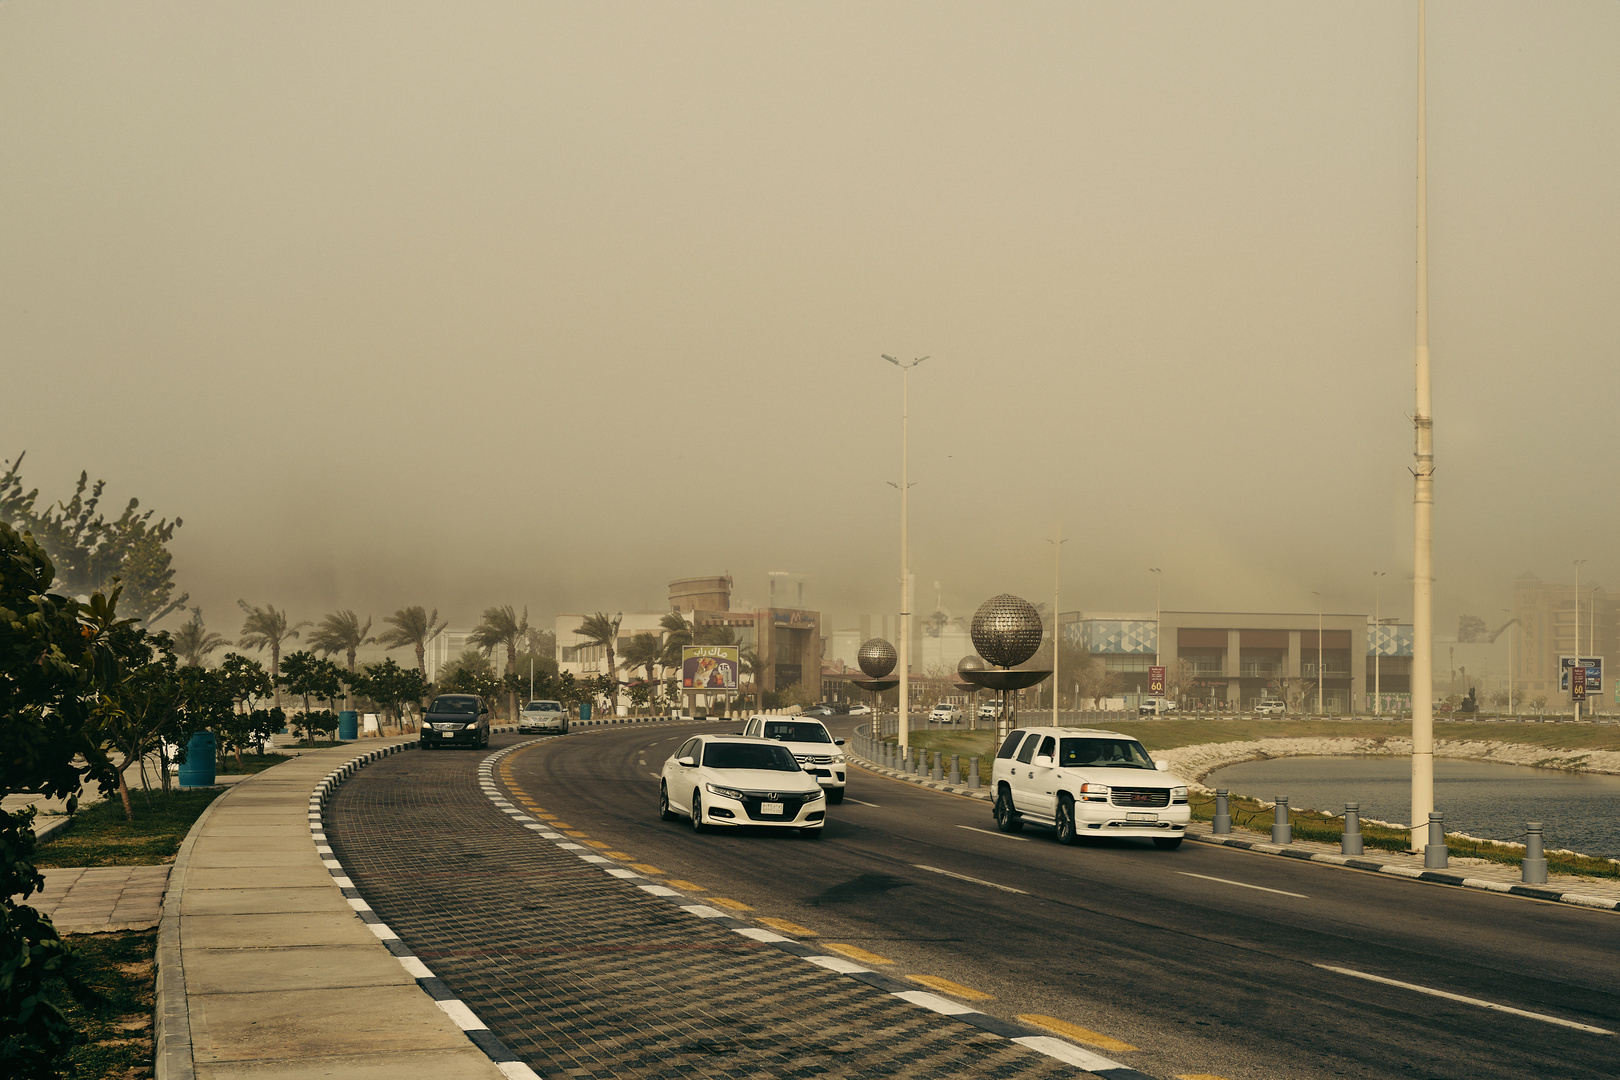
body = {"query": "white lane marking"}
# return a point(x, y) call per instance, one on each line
point(656, 776)
point(1068, 1052)
point(974, 880)
point(840, 964)
point(1243, 884)
point(863, 802)
point(1004, 836)
point(1465, 1000)
point(934, 1002)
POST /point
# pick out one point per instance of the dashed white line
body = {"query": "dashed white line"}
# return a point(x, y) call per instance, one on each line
point(1243, 884)
point(863, 802)
point(974, 880)
point(1543, 1017)
point(1002, 835)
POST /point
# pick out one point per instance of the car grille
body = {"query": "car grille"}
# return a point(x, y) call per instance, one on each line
point(813, 759)
point(1139, 796)
point(791, 804)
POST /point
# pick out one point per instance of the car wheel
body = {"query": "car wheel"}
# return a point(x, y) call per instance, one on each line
point(835, 795)
point(1007, 817)
point(664, 811)
point(1167, 843)
point(1066, 832)
point(697, 812)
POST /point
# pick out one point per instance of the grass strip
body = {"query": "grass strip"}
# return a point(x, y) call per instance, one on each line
point(100, 836)
point(111, 1014)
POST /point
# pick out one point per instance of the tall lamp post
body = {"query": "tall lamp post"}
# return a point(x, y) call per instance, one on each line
point(1511, 621)
point(1578, 563)
point(1158, 608)
point(904, 720)
point(1378, 644)
point(1422, 494)
point(1057, 558)
point(1321, 675)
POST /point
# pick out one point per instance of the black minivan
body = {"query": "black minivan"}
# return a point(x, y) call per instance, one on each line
point(456, 720)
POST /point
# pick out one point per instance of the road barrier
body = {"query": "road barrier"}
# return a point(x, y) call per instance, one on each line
point(973, 771)
point(1351, 843)
point(1436, 856)
point(1223, 814)
point(1281, 831)
point(1535, 863)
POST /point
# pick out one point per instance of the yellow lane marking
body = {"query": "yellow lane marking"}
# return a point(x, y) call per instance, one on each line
point(782, 926)
point(955, 989)
point(686, 886)
point(618, 855)
point(734, 905)
point(855, 953)
point(597, 844)
point(568, 830)
point(643, 868)
point(1077, 1033)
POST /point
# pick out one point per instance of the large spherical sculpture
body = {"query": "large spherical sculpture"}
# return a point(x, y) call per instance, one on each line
point(877, 658)
point(970, 663)
point(1006, 630)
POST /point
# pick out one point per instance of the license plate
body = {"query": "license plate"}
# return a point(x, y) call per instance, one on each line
point(1142, 817)
point(447, 734)
point(770, 808)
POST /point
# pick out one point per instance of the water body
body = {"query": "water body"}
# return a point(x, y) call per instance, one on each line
point(1581, 811)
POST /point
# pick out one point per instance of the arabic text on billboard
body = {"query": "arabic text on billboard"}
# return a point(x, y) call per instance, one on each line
point(709, 667)
point(1156, 681)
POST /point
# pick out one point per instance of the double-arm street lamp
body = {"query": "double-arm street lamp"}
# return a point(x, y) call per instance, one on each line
point(905, 550)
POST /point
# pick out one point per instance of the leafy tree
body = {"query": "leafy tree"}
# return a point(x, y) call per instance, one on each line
point(677, 635)
point(267, 628)
point(415, 627)
point(193, 641)
point(89, 553)
point(59, 657)
point(500, 627)
point(601, 630)
point(309, 675)
point(341, 632)
point(148, 706)
point(391, 686)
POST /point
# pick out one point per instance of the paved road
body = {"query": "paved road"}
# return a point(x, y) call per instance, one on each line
point(1208, 960)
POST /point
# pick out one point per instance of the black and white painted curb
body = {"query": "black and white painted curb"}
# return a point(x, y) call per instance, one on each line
point(1436, 877)
point(460, 1015)
point(1032, 1038)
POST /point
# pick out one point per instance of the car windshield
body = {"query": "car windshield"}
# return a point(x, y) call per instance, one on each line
point(1103, 753)
point(455, 706)
point(790, 732)
point(730, 755)
point(542, 706)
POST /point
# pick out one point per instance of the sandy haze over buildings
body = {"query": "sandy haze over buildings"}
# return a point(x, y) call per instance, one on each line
point(548, 304)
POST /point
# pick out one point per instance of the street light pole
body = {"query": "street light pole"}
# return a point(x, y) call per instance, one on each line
point(903, 722)
point(1422, 494)
point(1378, 644)
point(1057, 558)
point(1578, 563)
point(1321, 675)
point(1511, 621)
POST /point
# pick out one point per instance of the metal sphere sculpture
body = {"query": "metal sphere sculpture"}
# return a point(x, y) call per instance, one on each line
point(1006, 630)
point(877, 658)
point(970, 663)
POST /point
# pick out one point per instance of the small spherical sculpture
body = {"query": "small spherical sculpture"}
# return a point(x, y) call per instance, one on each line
point(1006, 630)
point(877, 658)
point(970, 663)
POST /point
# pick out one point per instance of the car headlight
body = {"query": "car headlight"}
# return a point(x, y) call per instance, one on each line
point(838, 759)
point(1094, 789)
point(471, 725)
point(813, 796)
point(1178, 793)
point(723, 792)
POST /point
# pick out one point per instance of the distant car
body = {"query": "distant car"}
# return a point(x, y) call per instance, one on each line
point(1156, 706)
point(812, 746)
point(990, 710)
point(860, 710)
point(1269, 708)
point(542, 716)
point(455, 720)
point(730, 780)
point(822, 709)
point(945, 713)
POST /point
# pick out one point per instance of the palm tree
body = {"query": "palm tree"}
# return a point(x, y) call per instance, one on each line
point(341, 632)
point(600, 630)
point(266, 628)
point(412, 626)
point(677, 635)
point(501, 626)
point(193, 643)
point(643, 651)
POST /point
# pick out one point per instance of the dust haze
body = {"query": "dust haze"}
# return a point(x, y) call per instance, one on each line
point(549, 304)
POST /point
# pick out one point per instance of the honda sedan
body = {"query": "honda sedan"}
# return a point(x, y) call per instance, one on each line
point(717, 781)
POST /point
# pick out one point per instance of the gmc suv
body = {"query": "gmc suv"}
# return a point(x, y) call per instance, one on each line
point(1084, 782)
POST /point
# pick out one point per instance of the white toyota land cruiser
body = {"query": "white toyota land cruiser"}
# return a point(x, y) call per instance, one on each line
point(1083, 782)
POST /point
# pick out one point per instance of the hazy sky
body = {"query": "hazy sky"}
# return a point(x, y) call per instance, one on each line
point(549, 303)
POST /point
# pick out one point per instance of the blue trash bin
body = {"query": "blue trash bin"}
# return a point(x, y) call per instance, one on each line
point(584, 710)
point(198, 768)
point(348, 724)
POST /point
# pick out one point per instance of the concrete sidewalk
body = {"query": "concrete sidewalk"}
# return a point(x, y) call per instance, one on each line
point(265, 970)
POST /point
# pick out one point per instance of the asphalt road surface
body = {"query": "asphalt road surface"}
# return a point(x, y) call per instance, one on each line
point(1204, 961)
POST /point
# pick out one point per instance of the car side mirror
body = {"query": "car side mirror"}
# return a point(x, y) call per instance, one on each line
point(482, 709)
point(838, 742)
point(1162, 766)
point(687, 761)
point(1043, 761)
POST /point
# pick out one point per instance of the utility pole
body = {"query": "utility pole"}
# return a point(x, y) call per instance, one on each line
point(1321, 675)
point(1578, 563)
point(1057, 558)
point(904, 720)
point(1378, 644)
point(1422, 494)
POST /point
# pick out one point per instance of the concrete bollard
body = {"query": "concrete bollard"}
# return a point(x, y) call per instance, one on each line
point(1435, 853)
point(956, 770)
point(973, 772)
point(1351, 844)
point(1223, 816)
point(937, 772)
point(1535, 863)
point(1281, 831)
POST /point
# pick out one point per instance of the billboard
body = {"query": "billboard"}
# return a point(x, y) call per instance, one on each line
point(1593, 678)
point(1156, 681)
point(710, 667)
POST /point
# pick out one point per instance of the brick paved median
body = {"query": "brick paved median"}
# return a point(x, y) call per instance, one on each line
point(582, 975)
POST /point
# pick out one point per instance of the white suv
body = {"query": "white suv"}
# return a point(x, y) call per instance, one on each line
point(1084, 782)
point(811, 743)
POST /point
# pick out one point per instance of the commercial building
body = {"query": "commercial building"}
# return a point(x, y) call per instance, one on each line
point(1543, 629)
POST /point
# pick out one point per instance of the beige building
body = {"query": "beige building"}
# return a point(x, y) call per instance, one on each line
point(1544, 630)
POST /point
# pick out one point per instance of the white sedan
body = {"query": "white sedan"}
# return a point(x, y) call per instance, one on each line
point(860, 710)
point(731, 780)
